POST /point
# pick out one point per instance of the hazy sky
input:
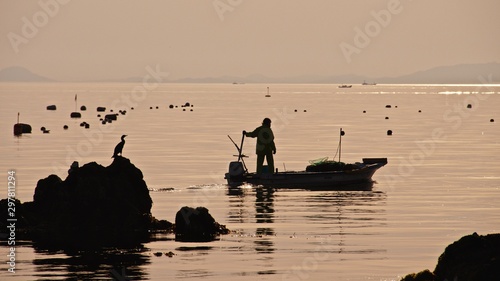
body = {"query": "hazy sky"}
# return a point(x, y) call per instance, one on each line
point(99, 39)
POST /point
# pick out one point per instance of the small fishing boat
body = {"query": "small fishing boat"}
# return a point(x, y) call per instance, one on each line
point(345, 86)
point(321, 174)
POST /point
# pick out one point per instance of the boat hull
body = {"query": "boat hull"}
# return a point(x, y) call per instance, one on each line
point(335, 180)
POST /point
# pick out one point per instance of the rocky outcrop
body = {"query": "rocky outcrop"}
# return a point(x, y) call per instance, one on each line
point(473, 258)
point(93, 206)
point(197, 225)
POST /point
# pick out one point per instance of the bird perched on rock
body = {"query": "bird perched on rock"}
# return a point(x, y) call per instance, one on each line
point(119, 147)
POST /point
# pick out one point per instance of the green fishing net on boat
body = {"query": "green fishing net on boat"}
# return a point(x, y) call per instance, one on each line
point(324, 165)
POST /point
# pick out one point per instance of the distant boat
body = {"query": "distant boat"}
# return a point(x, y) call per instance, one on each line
point(345, 86)
point(367, 83)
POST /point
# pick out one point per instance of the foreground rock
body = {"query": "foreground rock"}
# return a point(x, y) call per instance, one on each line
point(472, 258)
point(197, 225)
point(93, 206)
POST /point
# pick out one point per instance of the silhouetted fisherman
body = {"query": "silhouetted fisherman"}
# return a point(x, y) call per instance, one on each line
point(119, 147)
point(265, 147)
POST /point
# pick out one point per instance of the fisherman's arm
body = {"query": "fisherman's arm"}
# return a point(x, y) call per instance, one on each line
point(253, 134)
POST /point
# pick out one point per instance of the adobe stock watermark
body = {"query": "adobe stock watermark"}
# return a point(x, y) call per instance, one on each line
point(31, 26)
point(95, 136)
point(363, 37)
point(223, 6)
point(454, 116)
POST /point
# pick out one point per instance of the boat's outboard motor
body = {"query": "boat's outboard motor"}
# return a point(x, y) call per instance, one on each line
point(236, 169)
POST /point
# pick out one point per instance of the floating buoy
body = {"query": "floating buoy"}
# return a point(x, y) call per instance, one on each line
point(101, 109)
point(18, 129)
point(386, 118)
point(98, 115)
point(364, 111)
point(305, 110)
point(110, 117)
point(171, 106)
point(65, 127)
point(469, 105)
point(389, 132)
point(419, 110)
point(492, 120)
point(51, 107)
point(150, 107)
point(295, 110)
point(191, 110)
point(76, 115)
point(157, 107)
point(169, 254)
point(183, 109)
point(83, 108)
point(131, 108)
point(21, 128)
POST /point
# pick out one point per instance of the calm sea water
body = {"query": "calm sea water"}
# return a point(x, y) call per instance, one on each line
point(442, 180)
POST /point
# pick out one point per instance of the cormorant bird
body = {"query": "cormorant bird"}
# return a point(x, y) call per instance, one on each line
point(119, 147)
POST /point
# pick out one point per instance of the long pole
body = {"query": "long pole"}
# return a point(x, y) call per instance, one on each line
point(240, 155)
point(340, 144)
point(241, 147)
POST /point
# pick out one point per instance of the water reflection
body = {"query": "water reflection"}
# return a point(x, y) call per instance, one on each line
point(103, 264)
point(341, 216)
point(264, 214)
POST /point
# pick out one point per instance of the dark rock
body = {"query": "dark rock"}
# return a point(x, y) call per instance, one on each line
point(51, 107)
point(83, 108)
point(425, 275)
point(197, 225)
point(94, 206)
point(75, 115)
point(473, 258)
point(101, 109)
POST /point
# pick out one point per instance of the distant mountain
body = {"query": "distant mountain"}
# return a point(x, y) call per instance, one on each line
point(20, 74)
point(456, 74)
